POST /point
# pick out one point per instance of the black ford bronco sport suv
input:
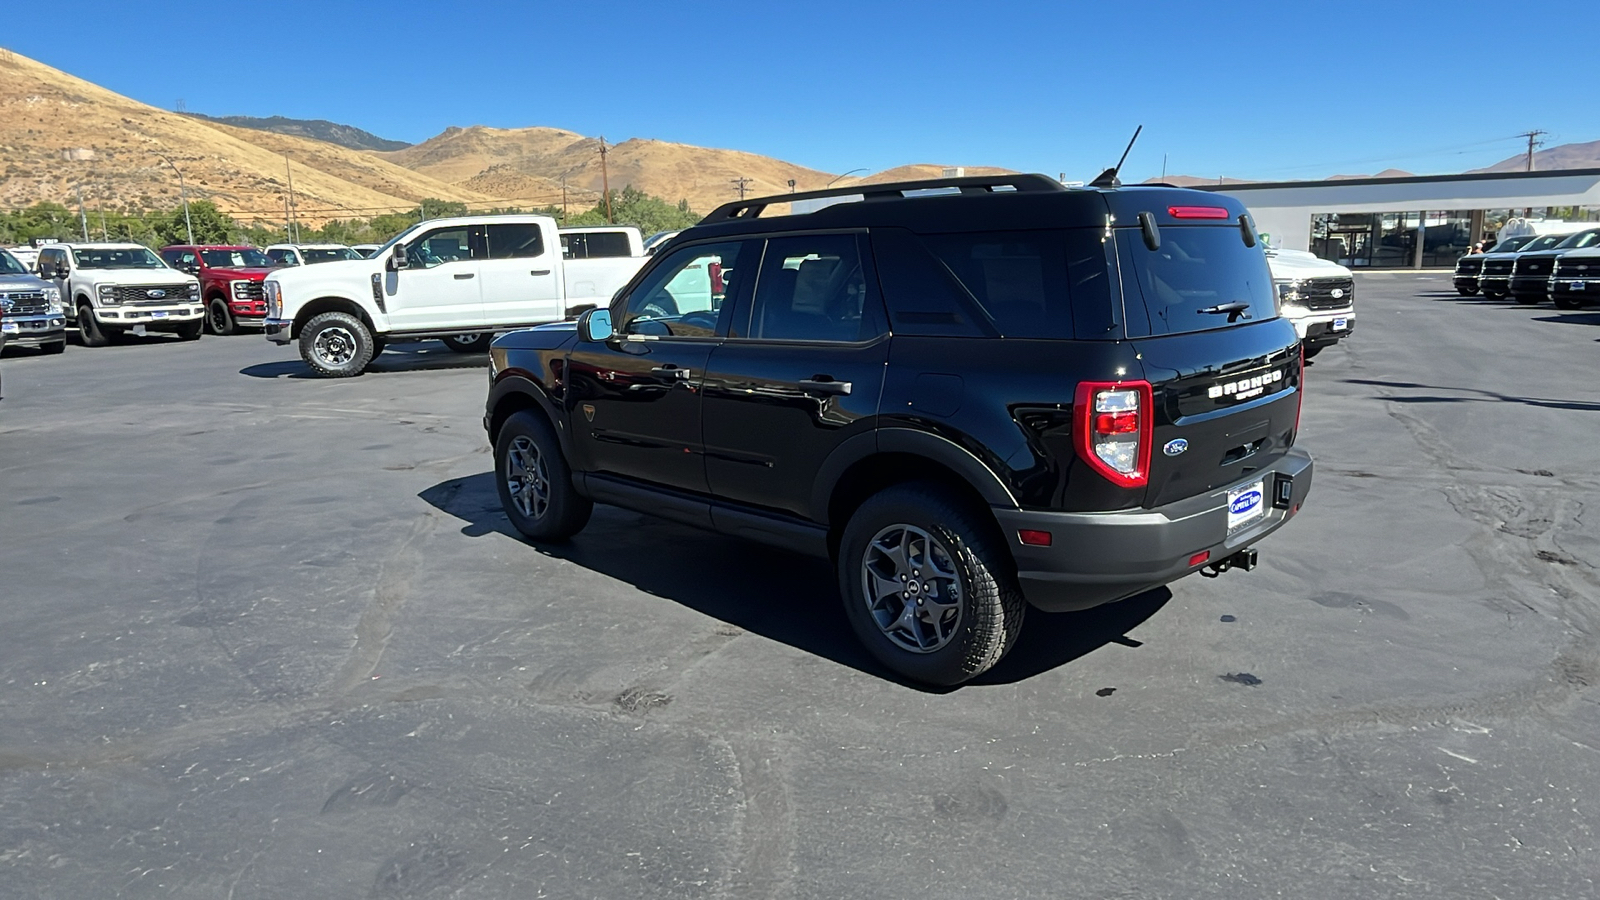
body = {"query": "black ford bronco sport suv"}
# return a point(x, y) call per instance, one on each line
point(973, 394)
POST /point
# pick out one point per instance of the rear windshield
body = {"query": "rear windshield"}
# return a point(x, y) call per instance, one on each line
point(1200, 277)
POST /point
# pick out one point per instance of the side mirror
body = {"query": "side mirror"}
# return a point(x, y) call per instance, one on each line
point(46, 270)
point(594, 326)
point(397, 258)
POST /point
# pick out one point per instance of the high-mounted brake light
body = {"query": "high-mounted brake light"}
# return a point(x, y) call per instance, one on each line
point(1113, 426)
point(1197, 212)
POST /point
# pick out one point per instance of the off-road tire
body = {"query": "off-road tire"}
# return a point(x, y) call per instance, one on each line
point(564, 511)
point(474, 343)
point(346, 348)
point(992, 606)
point(89, 331)
point(219, 318)
point(53, 348)
point(190, 331)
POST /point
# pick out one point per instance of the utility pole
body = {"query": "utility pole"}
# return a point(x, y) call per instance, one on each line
point(563, 199)
point(605, 179)
point(743, 183)
point(83, 219)
point(1533, 142)
point(103, 235)
point(288, 229)
point(183, 193)
point(294, 231)
point(1163, 168)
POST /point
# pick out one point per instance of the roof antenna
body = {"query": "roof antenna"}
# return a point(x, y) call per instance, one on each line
point(1108, 178)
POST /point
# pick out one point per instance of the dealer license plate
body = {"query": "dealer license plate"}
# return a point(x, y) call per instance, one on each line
point(1246, 504)
point(1341, 324)
point(9, 327)
point(158, 314)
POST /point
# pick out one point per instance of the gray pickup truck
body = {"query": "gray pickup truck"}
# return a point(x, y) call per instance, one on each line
point(30, 308)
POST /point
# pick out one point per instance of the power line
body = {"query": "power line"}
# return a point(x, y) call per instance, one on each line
point(743, 183)
point(1533, 142)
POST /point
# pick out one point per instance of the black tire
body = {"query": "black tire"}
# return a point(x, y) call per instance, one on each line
point(89, 331)
point(219, 318)
point(1528, 299)
point(558, 511)
point(1466, 292)
point(54, 348)
point(1311, 350)
point(190, 331)
point(969, 549)
point(336, 345)
point(378, 344)
point(468, 343)
point(1566, 301)
point(1494, 295)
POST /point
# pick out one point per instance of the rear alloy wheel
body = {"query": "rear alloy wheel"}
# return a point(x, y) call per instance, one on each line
point(535, 482)
point(220, 318)
point(468, 343)
point(336, 345)
point(928, 585)
point(89, 331)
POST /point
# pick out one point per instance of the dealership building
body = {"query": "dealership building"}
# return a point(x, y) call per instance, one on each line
point(1420, 221)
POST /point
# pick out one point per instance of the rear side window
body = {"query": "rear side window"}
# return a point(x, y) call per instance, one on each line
point(1188, 283)
point(922, 296)
point(1018, 277)
point(523, 240)
point(595, 245)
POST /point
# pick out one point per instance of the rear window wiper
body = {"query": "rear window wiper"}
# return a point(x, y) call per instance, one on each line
point(1233, 310)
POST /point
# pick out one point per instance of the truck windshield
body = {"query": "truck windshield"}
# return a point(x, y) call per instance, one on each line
point(116, 258)
point(10, 266)
point(237, 258)
point(1542, 242)
point(1578, 241)
point(328, 254)
point(1511, 244)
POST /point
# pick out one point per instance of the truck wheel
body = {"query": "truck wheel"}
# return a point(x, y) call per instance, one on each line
point(1466, 292)
point(1565, 301)
point(190, 331)
point(220, 318)
point(1528, 299)
point(1493, 295)
point(468, 343)
point(336, 345)
point(535, 482)
point(52, 349)
point(89, 331)
point(928, 585)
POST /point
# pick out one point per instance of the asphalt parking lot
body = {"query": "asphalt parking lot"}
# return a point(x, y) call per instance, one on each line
point(266, 635)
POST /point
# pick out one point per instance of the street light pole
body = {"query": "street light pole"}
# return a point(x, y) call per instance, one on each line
point(183, 193)
point(836, 178)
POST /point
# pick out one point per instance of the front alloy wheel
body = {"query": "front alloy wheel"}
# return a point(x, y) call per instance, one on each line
point(527, 479)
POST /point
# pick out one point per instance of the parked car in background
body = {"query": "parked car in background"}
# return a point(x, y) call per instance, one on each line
point(110, 289)
point(1469, 267)
point(1576, 279)
point(656, 241)
point(366, 250)
point(1317, 295)
point(30, 308)
point(459, 280)
point(309, 254)
point(230, 282)
point(26, 255)
point(1494, 276)
point(1530, 274)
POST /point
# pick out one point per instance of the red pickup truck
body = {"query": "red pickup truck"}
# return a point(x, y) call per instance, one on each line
point(230, 282)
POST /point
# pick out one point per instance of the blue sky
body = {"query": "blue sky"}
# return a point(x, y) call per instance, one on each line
point(1270, 90)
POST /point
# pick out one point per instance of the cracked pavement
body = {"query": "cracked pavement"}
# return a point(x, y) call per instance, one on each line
point(268, 636)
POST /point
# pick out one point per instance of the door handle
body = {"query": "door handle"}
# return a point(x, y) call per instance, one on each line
point(671, 371)
point(823, 384)
point(463, 276)
point(540, 272)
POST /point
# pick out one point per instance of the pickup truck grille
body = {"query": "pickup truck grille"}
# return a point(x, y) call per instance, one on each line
point(1500, 267)
point(248, 290)
point(1534, 266)
point(140, 295)
point(1320, 292)
point(31, 303)
point(1583, 267)
point(1468, 265)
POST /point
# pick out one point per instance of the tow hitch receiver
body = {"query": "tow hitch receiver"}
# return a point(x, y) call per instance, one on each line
point(1244, 561)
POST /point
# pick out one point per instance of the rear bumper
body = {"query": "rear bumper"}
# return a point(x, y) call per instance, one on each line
point(1098, 558)
point(277, 330)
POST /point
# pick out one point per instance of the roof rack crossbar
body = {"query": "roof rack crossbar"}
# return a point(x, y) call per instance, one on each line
point(753, 207)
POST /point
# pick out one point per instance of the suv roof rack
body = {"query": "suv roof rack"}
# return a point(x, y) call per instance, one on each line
point(974, 184)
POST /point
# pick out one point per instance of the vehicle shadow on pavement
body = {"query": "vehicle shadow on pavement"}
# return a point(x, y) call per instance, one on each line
point(1572, 318)
point(1483, 396)
point(782, 596)
point(427, 357)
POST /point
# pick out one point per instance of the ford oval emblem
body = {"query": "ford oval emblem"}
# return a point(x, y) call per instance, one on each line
point(156, 294)
point(1175, 447)
point(1336, 293)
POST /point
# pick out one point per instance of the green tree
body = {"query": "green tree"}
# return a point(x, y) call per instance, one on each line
point(634, 207)
point(210, 225)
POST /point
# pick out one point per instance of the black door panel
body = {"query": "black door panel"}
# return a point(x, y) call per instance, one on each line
point(634, 406)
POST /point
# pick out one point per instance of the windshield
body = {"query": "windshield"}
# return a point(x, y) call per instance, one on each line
point(328, 254)
point(1542, 242)
point(1578, 241)
point(1511, 244)
point(9, 265)
point(116, 258)
point(236, 258)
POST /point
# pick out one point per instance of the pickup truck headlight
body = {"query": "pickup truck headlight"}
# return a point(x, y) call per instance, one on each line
point(238, 288)
point(1289, 292)
point(108, 293)
point(52, 296)
point(274, 295)
point(194, 290)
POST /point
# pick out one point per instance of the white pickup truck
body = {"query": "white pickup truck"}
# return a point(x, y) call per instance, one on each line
point(1317, 295)
point(460, 280)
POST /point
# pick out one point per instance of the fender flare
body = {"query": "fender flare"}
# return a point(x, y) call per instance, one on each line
point(913, 442)
point(521, 382)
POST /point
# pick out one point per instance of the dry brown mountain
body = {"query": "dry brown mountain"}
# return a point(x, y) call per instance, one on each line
point(1562, 156)
point(704, 176)
point(59, 133)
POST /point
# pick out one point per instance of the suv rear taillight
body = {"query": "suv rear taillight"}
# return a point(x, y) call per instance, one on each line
point(1113, 424)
